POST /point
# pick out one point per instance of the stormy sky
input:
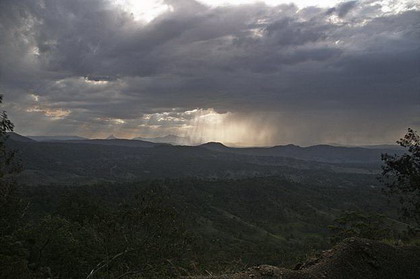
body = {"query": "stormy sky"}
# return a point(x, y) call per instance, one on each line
point(241, 72)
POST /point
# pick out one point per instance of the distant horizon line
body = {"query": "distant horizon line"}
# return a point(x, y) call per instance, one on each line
point(233, 145)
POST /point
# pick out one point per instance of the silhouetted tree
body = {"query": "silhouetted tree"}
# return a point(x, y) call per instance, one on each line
point(9, 202)
point(401, 174)
point(12, 252)
point(5, 157)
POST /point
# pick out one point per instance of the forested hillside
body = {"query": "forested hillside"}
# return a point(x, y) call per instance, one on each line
point(95, 208)
point(168, 228)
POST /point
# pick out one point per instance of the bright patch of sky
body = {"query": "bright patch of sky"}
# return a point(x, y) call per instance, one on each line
point(299, 3)
point(147, 10)
point(144, 10)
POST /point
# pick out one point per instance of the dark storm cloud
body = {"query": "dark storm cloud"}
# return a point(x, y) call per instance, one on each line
point(93, 61)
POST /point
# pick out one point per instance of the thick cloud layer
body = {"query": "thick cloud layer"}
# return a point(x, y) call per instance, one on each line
point(250, 74)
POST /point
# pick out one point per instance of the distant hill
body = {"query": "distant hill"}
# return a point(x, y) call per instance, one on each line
point(56, 138)
point(384, 146)
point(16, 137)
point(216, 146)
point(319, 153)
point(170, 139)
point(111, 137)
point(114, 142)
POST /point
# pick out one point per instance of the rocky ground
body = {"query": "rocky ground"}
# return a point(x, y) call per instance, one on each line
point(352, 258)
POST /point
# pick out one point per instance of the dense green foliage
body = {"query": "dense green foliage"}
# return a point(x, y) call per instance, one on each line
point(402, 175)
point(164, 228)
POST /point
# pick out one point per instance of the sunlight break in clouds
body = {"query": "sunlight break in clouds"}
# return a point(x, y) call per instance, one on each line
point(52, 113)
point(209, 125)
point(144, 10)
point(204, 125)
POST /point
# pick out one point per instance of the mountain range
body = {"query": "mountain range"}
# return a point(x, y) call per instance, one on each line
point(56, 138)
point(170, 139)
point(122, 159)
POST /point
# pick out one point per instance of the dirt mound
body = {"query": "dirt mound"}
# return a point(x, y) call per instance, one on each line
point(352, 258)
